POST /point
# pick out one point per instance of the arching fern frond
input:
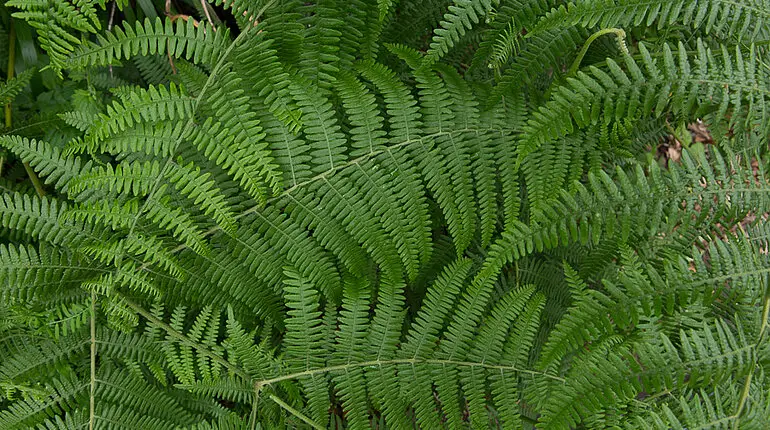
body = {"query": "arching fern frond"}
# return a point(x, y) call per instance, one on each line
point(130, 178)
point(717, 84)
point(743, 19)
point(47, 160)
point(462, 16)
point(10, 89)
point(183, 39)
point(153, 105)
point(55, 22)
point(326, 214)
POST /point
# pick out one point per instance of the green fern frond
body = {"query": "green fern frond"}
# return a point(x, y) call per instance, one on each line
point(676, 86)
point(44, 358)
point(55, 22)
point(288, 245)
point(439, 300)
point(137, 397)
point(563, 223)
point(269, 80)
point(148, 138)
point(450, 154)
point(353, 324)
point(182, 39)
point(304, 334)
point(326, 142)
point(400, 237)
point(384, 8)
point(113, 214)
point(743, 19)
point(64, 391)
point(462, 16)
point(166, 216)
point(10, 89)
point(40, 218)
point(540, 53)
point(246, 157)
point(136, 179)
point(202, 191)
point(48, 161)
point(319, 58)
point(152, 105)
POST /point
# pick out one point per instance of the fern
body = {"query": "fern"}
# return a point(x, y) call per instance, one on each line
point(9, 90)
point(715, 16)
point(55, 22)
point(462, 15)
point(376, 214)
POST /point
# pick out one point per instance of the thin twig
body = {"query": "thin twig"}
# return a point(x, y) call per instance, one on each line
point(205, 7)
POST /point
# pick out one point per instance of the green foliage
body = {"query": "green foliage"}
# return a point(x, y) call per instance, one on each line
point(378, 214)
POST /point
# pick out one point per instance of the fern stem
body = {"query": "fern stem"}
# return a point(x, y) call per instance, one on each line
point(618, 32)
point(8, 118)
point(253, 417)
point(182, 338)
point(92, 399)
point(295, 412)
point(403, 361)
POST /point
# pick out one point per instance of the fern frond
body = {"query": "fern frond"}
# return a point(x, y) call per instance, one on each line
point(320, 54)
point(326, 142)
point(47, 160)
point(166, 216)
point(439, 300)
point(236, 141)
point(157, 139)
point(55, 21)
point(202, 191)
point(271, 239)
point(462, 16)
point(269, 80)
point(24, 361)
point(10, 89)
point(304, 335)
point(540, 53)
point(488, 346)
point(136, 179)
point(121, 388)
point(353, 324)
point(563, 224)
point(742, 19)
point(40, 218)
point(199, 44)
point(152, 105)
point(384, 7)
point(65, 392)
point(504, 46)
point(718, 84)
point(482, 160)
point(451, 154)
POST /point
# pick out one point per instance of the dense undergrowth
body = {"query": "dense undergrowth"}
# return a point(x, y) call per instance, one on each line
point(387, 214)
